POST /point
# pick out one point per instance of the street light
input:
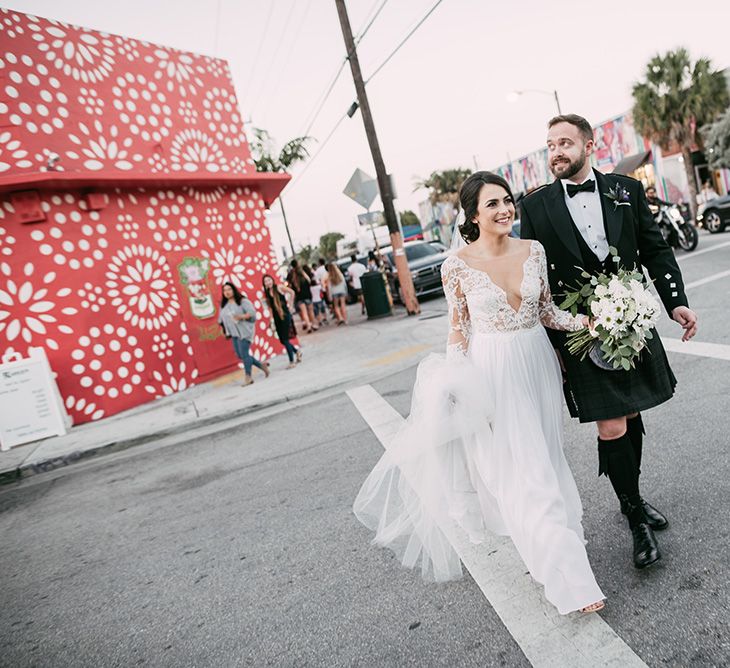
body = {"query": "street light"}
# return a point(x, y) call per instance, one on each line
point(515, 94)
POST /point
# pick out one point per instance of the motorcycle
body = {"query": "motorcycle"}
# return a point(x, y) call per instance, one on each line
point(677, 232)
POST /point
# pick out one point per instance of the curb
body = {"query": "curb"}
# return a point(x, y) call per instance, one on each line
point(24, 471)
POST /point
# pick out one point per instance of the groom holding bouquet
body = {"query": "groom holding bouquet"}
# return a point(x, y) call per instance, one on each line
point(577, 219)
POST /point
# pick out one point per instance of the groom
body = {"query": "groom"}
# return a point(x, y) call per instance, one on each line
point(576, 219)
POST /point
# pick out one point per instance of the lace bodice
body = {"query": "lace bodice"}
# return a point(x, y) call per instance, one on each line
point(476, 304)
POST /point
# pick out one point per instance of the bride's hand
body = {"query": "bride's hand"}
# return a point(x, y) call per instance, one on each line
point(588, 322)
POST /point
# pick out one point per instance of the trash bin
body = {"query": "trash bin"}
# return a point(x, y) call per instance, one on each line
point(375, 292)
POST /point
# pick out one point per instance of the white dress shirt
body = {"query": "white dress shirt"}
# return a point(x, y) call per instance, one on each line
point(355, 271)
point(585, 209)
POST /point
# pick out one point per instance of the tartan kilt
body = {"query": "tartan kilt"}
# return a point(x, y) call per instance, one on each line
point(594, 394)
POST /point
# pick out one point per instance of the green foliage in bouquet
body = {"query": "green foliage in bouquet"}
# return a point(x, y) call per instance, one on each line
point(622, 310)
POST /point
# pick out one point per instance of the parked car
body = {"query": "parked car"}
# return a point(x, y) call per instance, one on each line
point(715, 215)
point(424, 260)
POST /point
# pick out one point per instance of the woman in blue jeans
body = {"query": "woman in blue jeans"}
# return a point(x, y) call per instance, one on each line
point(237, 317)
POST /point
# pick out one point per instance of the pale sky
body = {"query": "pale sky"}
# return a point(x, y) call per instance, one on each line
point(440, 102)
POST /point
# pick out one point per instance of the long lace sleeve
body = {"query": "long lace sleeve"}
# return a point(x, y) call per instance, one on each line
point(457, 343)
point(550, 315)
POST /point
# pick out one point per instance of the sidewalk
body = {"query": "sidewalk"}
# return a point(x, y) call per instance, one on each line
point(334, 357)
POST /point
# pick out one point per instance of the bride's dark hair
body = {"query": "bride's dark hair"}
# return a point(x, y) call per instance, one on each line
point(469, 200)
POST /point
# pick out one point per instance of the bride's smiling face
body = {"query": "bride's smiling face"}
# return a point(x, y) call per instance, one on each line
point(495, 210)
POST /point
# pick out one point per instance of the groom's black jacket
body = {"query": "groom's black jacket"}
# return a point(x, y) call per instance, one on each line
point(629, 229)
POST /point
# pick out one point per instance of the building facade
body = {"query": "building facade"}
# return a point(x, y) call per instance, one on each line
point(127, 197)
point(620, 148)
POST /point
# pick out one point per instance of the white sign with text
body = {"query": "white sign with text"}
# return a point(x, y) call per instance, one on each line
point(30, 403)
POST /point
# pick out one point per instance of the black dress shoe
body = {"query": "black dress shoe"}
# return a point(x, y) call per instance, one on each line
point(646, 550)
point(654, 518)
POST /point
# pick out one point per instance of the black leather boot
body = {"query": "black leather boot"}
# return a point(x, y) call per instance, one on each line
point(635, 431)
point(654, 518)
point(617, 461)
point(646, 549)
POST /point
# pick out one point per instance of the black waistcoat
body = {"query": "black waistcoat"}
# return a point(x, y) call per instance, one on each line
point(591, 263)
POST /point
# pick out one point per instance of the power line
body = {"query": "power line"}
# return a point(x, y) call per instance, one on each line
point(380, 67)
point(324, 98)
point(276, 53)
point(287, 58)
point(318, 151)
point(405, 39)
point(255, 61)
point(330, 88)
point(364, 32)
point(217, 27)
point(367, 16)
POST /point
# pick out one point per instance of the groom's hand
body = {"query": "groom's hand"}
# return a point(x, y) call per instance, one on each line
point(687, 318)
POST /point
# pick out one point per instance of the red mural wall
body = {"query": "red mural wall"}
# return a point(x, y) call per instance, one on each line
point(127, 197)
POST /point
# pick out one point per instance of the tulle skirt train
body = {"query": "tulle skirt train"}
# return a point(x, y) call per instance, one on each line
point(482, 449)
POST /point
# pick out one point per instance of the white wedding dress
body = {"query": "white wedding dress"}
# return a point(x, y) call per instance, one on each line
point(483, 444)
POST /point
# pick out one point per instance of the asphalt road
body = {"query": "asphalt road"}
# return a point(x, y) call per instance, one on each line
point(238, 547)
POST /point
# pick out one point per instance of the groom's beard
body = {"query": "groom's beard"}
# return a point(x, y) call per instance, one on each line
point(569, 170)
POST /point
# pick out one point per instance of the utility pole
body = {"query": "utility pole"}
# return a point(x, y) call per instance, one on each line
point(386, 196)
point(286, 226)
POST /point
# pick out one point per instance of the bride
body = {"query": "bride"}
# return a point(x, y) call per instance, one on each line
point(483, 445)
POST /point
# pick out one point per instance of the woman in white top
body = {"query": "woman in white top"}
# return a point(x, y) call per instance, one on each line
point(354, 273)
point(335, 283)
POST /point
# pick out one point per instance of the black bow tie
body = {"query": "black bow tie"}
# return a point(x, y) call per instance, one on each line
point(587, 187)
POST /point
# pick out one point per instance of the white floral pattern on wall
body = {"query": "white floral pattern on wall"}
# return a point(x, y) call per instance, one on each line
point(58, 79)
point(100, 290)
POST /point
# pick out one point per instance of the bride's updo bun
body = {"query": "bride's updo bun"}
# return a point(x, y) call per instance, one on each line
point(469, 200)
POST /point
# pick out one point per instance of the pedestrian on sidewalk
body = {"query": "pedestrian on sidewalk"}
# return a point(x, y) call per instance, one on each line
point(354, 273)
point(335, 282)
point(237, 317)
point(276, 297)
point(320, 273)
point(373, 263)
point(318, 305)
point(300, 283)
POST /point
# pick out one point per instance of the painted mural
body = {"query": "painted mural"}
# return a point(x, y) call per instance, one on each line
point(614, 140)
point(123, 294)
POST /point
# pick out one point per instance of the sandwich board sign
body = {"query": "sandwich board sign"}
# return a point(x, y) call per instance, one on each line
point(30, 403)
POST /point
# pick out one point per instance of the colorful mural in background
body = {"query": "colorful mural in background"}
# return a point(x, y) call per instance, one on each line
point(121, 285)
point(615, 140)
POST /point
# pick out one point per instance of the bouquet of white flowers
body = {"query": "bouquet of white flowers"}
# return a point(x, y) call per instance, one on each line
point(623, 313)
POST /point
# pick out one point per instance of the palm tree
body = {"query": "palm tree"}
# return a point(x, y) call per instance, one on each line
point(675, 100)
point(717, 142)
point(267, 160)
point(444, 186)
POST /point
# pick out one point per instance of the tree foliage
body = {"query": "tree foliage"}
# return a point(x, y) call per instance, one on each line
point(717, 142)
point(444, 186)
point(266, 157)
point(307, 254)
point(328, 244)
point(674, 100)
point(408, 218)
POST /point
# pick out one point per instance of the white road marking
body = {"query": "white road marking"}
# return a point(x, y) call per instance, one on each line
point(547, 638)
point(689, 256)
point(717, 351)
point(708, 279)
